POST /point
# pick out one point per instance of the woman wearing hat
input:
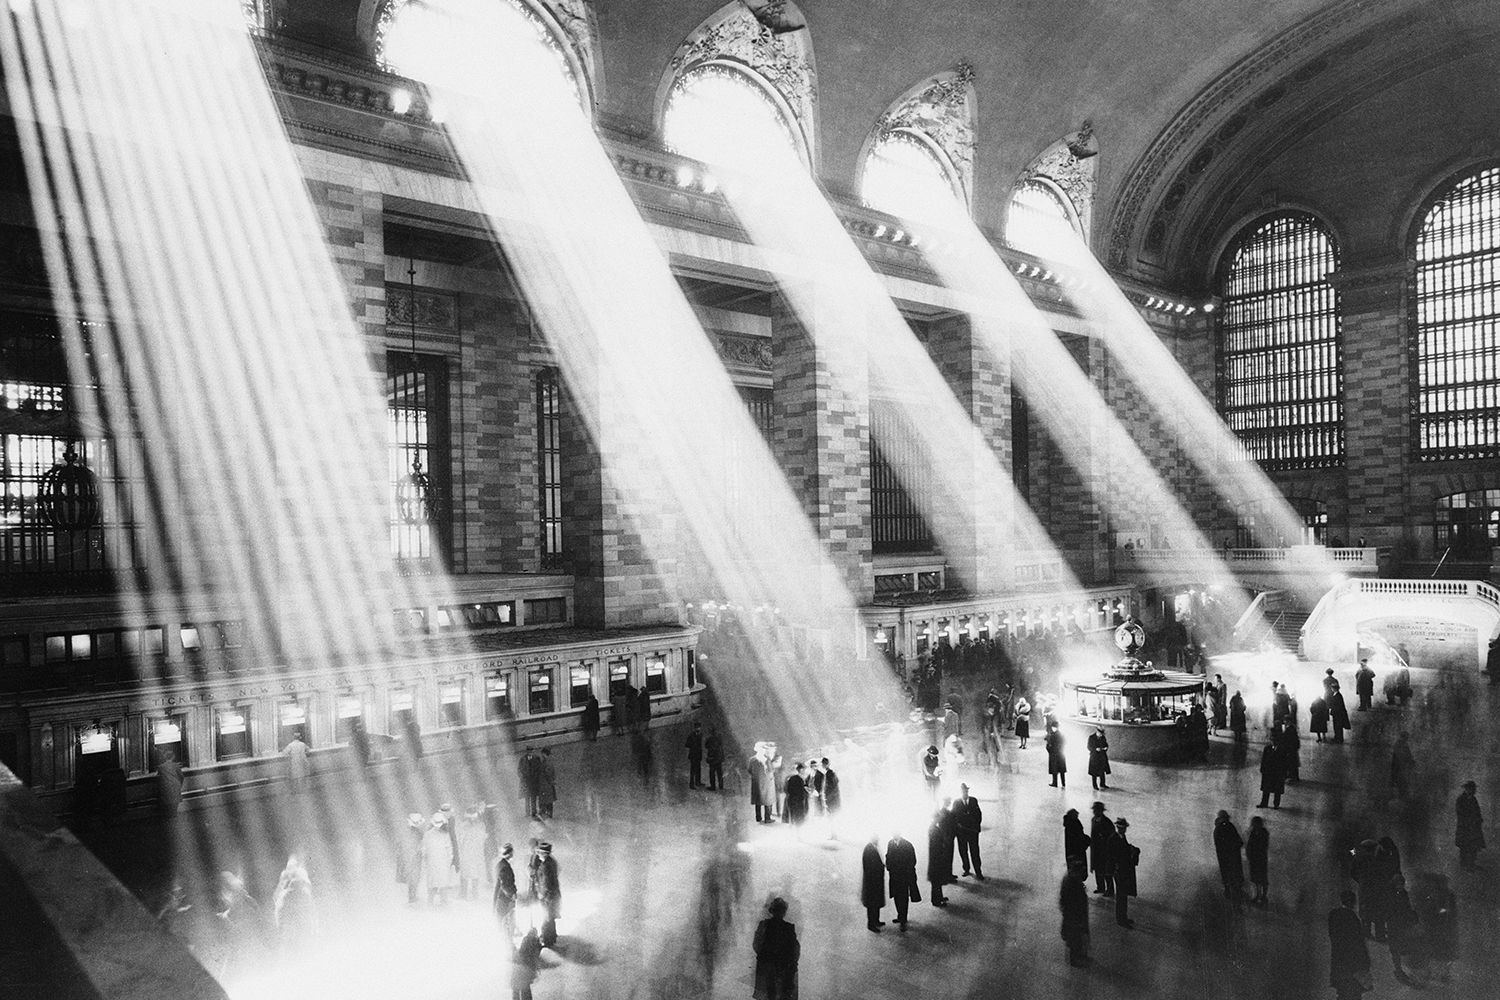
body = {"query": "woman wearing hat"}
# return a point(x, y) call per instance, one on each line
point(437, 860)
point(932, 771)
point(1023, 721)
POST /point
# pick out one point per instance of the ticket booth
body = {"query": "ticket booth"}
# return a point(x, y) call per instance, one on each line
point(349, 717)
point(292, 722)
point(167, 740)
point(232, 732)
point(96, 759)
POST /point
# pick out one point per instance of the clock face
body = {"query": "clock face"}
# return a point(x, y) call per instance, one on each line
point(1130, 637)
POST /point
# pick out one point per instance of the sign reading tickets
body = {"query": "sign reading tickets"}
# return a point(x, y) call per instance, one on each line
point(1430, 643)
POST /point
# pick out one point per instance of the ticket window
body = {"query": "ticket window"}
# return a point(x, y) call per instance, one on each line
point(580, 684)
point(291, 723)
point(168, 737)
point(451, 704)
point(349, 716)
point(97, 755)
point(619, 678)
point(656, 674)
point(497, 698)
point(232, 732)
point(404, 713)
point(692, 669)
point(539, 695)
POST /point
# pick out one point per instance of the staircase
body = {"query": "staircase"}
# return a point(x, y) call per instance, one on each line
point(1286, 628)
point(1272, 617)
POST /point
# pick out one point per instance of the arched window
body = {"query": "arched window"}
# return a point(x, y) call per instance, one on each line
point(257, 13)
point(403, 41)
point(1040, 220)
point(907, 176)
point(1467, 525)
point(1281, 380)
point(1457, 340)
point(720, 112)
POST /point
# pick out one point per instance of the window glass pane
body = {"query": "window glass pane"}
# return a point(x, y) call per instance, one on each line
point(1040, 222)
point(549, 466)
point(905, 177)
point(191, 638)
point(106, 645)
point(497, 704)
point(656, 675)
point(619, 677)
point(82, 646)
point(155, 640)
point(582, 676)
point(232, 732)
point(541, 692)
point(451, 704)
point(721, 114)
point(57, 648)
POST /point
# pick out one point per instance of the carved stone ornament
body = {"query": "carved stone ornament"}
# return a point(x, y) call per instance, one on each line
point(943, 111)
point(435, 310)
point(741, 351)
point(783, 60)
point(1075, 177)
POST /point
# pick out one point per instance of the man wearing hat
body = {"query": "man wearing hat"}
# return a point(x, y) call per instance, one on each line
point(1470, 836)
point(967, 816)
point(548, 893)
point(1123, 858)
point(505, 891)
point(932, 771)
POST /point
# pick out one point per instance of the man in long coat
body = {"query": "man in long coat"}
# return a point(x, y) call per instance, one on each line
point(759, 776)
point(694, 745)
point(776, 955)
point(1073, 901)
point(1349, 961)
point(1272, 775)
point(1364, 685)
point(940, 854)
point(1470, 837)
point(967, 819)
point(1123, 859)
point(713, 749)
point(1227, 846)
point(901, 863)
point(548, 892)
point(1101, 832)
point(1338, 713)
point(505, 892)
point(828, 790)
point(530, 773)
point(796, 796)
point(872, 887)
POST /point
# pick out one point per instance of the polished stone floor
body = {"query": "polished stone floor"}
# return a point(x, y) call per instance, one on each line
point(663, 886)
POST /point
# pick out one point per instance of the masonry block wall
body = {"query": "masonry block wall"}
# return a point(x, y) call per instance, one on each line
point(821, 440)
point(1062, 485)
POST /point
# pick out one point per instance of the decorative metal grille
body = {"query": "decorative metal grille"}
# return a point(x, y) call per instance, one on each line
point(417, 418)
point(1280, 354)
point(1457, 304)
point(896, 521)
point(549, 466)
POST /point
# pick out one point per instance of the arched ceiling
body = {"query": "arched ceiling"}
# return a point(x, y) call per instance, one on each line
point(1192, 101)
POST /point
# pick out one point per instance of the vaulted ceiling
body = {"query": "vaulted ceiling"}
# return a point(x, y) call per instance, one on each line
point(1206, 111)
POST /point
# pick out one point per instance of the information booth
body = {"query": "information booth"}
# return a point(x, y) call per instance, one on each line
point(1137, 705)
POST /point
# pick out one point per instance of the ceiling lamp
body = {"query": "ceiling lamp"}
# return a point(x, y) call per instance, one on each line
point(68, 494)
point(773, 15)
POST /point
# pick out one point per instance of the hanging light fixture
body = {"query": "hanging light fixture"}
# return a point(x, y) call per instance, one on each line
point(68, 494)
point(414, 493)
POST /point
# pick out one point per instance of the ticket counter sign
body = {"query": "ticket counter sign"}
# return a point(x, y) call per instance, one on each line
point(96, 741)
point(165, 731)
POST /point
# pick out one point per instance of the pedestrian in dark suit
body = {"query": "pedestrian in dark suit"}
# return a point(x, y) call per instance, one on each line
point(762, 796)
point(940, 855)
point(1101, 832)
point(1237, 715)
point(591, 719)
point(505, 892)
point(1364, 685)
point(901, 864)
point(1257, 854)
point(1338, 714)
point(776, 955)
point(795, 810)
point(967, 819)
point(1272, 775)
point(694, 745)
point(548, 892)
point(872, 887)
point(1098, 745)
point(829, 788)
point(1057, 762)
point(643, 708)
point(1123, 858)
point(1227, 846)
point(1349, 961)
point(713, 749)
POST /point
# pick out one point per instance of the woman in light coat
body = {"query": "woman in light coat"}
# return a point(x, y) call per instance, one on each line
point(437, 860)
point(471, 866)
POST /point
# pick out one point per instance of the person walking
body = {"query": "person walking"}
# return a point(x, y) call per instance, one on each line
point(525, 961)
point(1257, 853)
point(529, 771)
point(1073, 901)
point(1101, 831)
point(939, 856)
point(1403, 765)
point(1470, 836)
point(642, 712)
point(548, 892)
point(1272, 776)
point(694, 745)
point(1349, 961)
point(1023, 721)
point(713, 749)
point(1338, 714)
point(505, 892)
point(1318, 718)
point(590, 719)
point(1123, 859)
point(1364, 685)
point(1057, 762)
point(901, 864)
point(168, 785)
point(1437, 913)
point(292, 906)
point(776, 954)
point(1098, 745)
point(298, 767)
point(1237, 716)
point(546, 784)
point(872, 885)
point(1401, 925)
point(1227, 846)
point(967, 819)
point(1075, 841)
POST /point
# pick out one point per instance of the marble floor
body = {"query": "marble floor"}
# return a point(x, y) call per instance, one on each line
point(663, 886)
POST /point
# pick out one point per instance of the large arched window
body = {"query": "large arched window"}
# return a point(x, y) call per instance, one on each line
point(720, 112)
point(907, 176)
point(1281, 380)
point(1040, 220)
point(1457, 337)
point(1467, 525)
point(402, 41)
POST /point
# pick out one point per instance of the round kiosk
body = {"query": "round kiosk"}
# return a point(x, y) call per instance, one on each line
point(1138, 705)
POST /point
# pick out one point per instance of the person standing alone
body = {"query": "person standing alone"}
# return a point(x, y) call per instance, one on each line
point(872, 887)
point(694, 745)
point(901, 863)
point(1470, 836)
point(967, 817)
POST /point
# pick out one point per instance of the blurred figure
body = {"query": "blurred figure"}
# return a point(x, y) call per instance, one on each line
point(1258, 853)
point(828, 789)
point(1437, 912)
point(296, 918)
point(590, 719)
point(548, 892)
point(1075, 841)
point(546, 786)
point(1469, 838)
point(954, 763)
point(795, 790)
point(1401, 925)
point(776, 955)
point(901, 863)
point(1219, 692)
point(1364, 685)
point(1124, 857)
point(525, 960)
point(1237, 716)
point(1101, 831)
point(940, 855)
point(1227, 846)
point(1349, 962)
point(505, 892)
point(1272, 776)
point(298, 767)
point(713, 749)
point(694, 746)
point(1023, 721)
point(168, 784)
point(1073, 901)
point(1403, 765)
point(932, 771)
point(529, 772)
point(872, 884)
point(438, 872)
point(409, 855)
point(641, 750)
point(1372, 876)
point(470, 835)
point(1318, 718)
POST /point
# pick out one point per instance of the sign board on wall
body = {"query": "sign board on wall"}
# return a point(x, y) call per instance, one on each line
point(1431, 643)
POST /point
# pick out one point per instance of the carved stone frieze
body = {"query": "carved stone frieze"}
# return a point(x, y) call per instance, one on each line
point(783, 60)
point(434, 310)
point(943, 111)
point(738, 350)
